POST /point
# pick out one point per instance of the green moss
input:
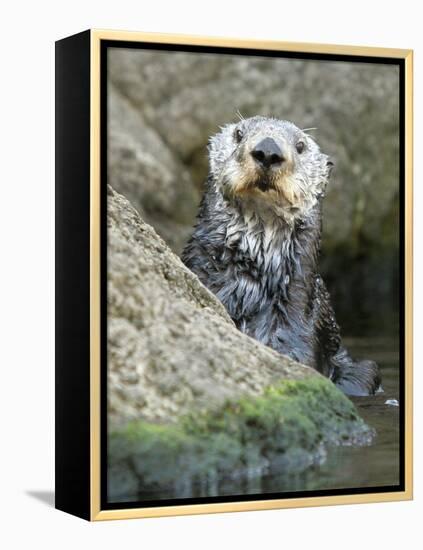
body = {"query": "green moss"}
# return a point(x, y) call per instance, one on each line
point(283, 430)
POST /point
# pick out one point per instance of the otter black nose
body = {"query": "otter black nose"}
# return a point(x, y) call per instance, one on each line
point(267, 153)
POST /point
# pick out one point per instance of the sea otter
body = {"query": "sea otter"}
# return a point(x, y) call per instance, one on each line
point(256, 245)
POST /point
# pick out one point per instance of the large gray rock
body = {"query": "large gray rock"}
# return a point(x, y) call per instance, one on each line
point(171, 345)
point(195, 407)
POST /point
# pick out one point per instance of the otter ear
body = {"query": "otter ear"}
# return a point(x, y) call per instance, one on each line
point(329, 166)
point(220, 146)
point(214, 146)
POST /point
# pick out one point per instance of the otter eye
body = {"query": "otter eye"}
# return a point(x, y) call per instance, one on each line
point(238, 135)
point(300, 146)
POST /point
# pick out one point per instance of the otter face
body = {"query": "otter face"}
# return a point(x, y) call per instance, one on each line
point(266, 161)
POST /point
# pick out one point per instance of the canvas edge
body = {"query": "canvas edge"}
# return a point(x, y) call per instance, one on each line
point(97, 514)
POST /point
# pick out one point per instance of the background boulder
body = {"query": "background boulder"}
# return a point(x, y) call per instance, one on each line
point(164, 106)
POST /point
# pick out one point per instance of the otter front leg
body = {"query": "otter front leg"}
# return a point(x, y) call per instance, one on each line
point(356, 378)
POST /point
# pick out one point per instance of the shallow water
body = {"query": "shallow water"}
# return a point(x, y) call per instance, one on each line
point(371, 466)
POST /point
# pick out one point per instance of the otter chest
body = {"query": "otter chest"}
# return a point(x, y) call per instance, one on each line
point(262, 286)
point(257, 267)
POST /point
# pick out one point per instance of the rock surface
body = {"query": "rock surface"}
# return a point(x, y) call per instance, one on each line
point(282, 432)
point(195, 407)
point(148, 173)
point(172, 346)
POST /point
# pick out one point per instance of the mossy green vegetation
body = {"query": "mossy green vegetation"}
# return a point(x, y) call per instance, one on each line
point(285, 430)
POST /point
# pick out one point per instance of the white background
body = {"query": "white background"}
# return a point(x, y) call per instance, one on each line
point(28, 32)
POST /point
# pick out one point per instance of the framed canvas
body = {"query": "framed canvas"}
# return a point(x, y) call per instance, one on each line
point(233, 275)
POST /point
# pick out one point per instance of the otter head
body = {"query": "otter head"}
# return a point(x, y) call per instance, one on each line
point(266, 162)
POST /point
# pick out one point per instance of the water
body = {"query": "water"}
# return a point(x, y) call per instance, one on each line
point(354, 467)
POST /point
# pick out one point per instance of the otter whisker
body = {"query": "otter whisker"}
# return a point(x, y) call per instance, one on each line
point(238, 114)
